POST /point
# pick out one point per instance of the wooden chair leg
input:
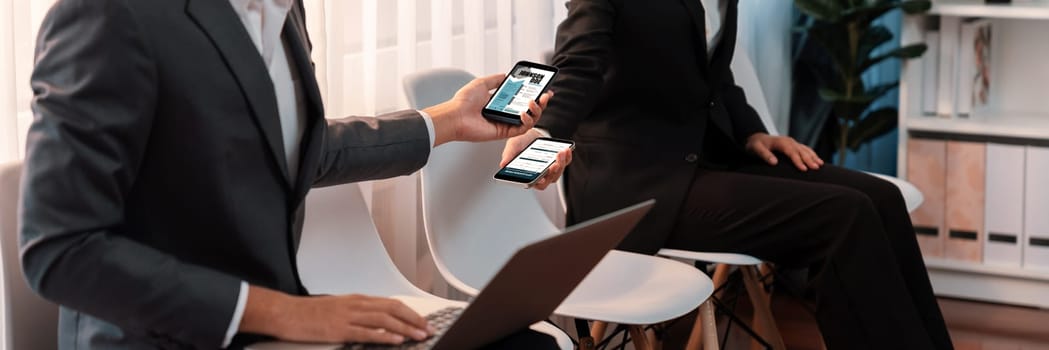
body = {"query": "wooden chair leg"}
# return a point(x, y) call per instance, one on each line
point(705, 330)
point(639, 338)
point(721, 272)
point(764, 324)
point(653, 336)
point(766, 273)
point(597, 331)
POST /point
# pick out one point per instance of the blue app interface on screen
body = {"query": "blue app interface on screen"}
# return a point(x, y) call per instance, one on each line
point(522, 86)
point(533, 161)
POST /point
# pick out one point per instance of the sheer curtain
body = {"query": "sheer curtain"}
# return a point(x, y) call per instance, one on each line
point(363, 48)
point(19, 22)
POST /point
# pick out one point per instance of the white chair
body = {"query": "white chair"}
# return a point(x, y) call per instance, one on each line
point(474, 224)
point(341, 253)
point(30, 322)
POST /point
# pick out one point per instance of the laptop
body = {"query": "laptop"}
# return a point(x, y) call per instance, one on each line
point(513, 300)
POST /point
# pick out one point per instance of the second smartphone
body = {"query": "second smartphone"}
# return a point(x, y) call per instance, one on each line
point(526, 82)
point(531, 164)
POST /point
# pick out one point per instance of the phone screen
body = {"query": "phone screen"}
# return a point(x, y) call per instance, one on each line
point(533, 161)
point(524, 84)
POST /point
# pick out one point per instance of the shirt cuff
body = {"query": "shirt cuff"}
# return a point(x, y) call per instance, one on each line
point(429, 127)
point(238, 314)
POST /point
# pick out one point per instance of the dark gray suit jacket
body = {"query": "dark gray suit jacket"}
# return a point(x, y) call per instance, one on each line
point(155, 178)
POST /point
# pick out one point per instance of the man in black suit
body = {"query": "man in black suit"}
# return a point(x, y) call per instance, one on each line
point(646, 92)
point(173, 146)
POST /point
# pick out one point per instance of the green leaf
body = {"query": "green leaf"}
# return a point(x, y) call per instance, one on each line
point(873, 38)
point(866, 13)
point(823, 10)
point(877, 123)
point(835, 42)
point(877, 91)
point(868, 95)
point(906, 52)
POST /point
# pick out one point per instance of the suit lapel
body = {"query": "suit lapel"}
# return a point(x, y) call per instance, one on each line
point(220, 22)
point(727, 46)
point(699, 20)
point(295, 34)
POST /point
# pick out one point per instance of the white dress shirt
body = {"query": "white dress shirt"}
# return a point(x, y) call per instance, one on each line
point(714, 11)
point(264, 21)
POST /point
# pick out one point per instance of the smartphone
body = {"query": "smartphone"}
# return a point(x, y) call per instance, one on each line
point(531, 164)
point(525, 83)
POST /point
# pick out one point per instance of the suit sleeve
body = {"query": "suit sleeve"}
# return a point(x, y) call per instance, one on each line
point(745, 120)
point(584, 45)
point(95, 90)
point(366, 148)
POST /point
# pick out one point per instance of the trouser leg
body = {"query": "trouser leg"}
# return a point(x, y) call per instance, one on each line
point(863, 298)
point(896, 222)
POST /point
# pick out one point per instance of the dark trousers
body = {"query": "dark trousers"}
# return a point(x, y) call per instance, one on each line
point(525, 340)
point(871, 283)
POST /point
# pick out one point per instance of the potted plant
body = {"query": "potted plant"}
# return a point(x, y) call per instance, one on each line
point(846, 32)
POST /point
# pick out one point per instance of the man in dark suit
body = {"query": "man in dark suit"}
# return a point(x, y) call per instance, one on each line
point(646, 92)
point(173, 145)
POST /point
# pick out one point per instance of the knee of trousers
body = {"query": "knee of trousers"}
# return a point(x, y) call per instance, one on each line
point(850, 207)
point(884, 194)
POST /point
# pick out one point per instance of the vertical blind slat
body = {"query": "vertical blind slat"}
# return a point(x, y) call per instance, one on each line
point(474, 33)
point(407, 40)
point(441, 33)
point(505, 32)
point(8, 107)
point(369, 50)
point(336, 48)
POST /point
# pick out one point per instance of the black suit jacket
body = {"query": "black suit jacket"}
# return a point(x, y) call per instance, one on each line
point(155, 178)
point(646, 107)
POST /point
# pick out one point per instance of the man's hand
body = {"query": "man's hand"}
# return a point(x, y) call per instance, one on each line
point(517, 144)
point(460, 119)
point(763, 145)
point(331, 319)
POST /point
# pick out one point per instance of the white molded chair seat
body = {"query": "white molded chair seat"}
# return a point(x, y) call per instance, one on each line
point(341, 253)
point(911, 194)
point(631, 288)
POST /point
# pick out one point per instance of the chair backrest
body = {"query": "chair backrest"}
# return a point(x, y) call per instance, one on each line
point(29, 321)
point(747, 79)
point(341, 251)
point(430, 87)
point(472, 223)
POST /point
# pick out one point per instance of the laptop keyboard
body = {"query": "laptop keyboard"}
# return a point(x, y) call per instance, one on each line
point(441, 320)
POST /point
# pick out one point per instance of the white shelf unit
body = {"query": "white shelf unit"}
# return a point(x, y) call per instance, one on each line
point(1017, 125)
point(1019, 110)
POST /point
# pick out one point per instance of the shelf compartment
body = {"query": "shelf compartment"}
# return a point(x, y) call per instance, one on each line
point(1024, 126)
point(1019, 9)
point(975, 281)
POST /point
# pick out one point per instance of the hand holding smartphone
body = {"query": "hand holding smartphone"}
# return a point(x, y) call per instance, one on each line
point(532, 163)
point(526, 82)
